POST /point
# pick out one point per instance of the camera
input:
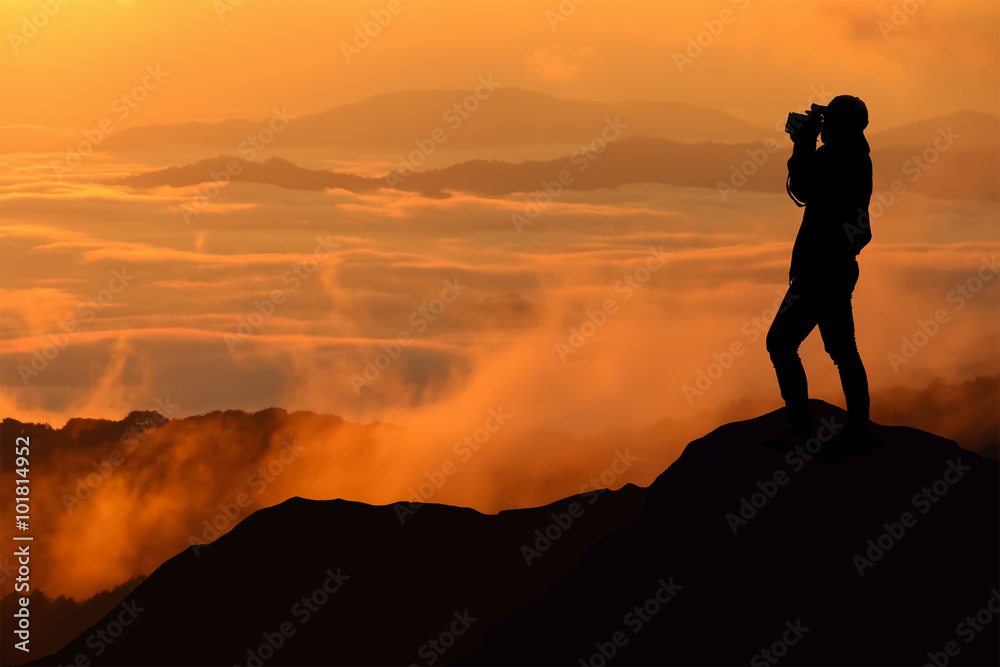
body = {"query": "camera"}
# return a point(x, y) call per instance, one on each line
point(805, 125)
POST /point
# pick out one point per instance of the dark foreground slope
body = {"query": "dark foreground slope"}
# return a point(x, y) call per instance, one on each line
point(822, 572)
point(671, 582)
point(55, 621)
point(336, 582)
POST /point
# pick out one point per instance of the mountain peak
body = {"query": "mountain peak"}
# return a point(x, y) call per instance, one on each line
point(843, 554)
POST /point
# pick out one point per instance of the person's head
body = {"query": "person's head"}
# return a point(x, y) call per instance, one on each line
point(845, 118)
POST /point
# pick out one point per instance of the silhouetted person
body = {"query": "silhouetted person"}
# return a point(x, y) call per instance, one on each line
point(835, 185)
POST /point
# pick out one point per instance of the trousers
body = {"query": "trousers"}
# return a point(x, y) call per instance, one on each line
point(823, 300)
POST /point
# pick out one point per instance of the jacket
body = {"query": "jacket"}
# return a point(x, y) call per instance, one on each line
point(835, 183)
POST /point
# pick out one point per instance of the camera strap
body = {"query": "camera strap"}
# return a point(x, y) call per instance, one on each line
point(788, 189)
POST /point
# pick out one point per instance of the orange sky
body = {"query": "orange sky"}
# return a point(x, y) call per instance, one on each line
point(287, 52)
point(66, 237)
point(152, 296)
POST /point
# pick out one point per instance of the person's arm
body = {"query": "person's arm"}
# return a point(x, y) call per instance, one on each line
point(802, 169)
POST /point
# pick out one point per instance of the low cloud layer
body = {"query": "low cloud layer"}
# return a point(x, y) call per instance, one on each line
point(606, 322)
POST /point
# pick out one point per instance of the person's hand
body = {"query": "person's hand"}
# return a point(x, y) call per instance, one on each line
point(807, 132)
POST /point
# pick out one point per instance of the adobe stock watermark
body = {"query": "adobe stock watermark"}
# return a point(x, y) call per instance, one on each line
point(915, 167)
point(927, 329)
point(924, 501)
point(581, 159)
point(301, 611)
point(86, 312)
point(420, 320)
point(900, 14)
point(248, 149)
point(561, 522)
point(609, 476)
point(369, 30)
point(31, 25)
point(768, 489)
point(596, 319)
point(697, 43)
point(100, 639)
point(454, 116)
point(740, 175)
point(263, 309)
point(223, 7)
point(130, 440)
point(968, 629)
point(464, 449)
point(435, 647)
point(635, 620)
point(121, 108)
point(779, 648)
point(752, 329)
point(562, 12)
point(257, 481)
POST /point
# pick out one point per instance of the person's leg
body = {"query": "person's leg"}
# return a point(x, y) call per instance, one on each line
point(793, 322)
point(836, 326)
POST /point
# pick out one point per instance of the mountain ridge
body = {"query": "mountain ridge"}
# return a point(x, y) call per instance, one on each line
point(457, 564)
point(955, 172)
point(506, 116)
point(539, 119)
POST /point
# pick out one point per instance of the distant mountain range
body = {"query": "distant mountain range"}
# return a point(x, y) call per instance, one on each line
point(506, 117)
point(739, 548)
point(956, 156)
point(974, 127)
